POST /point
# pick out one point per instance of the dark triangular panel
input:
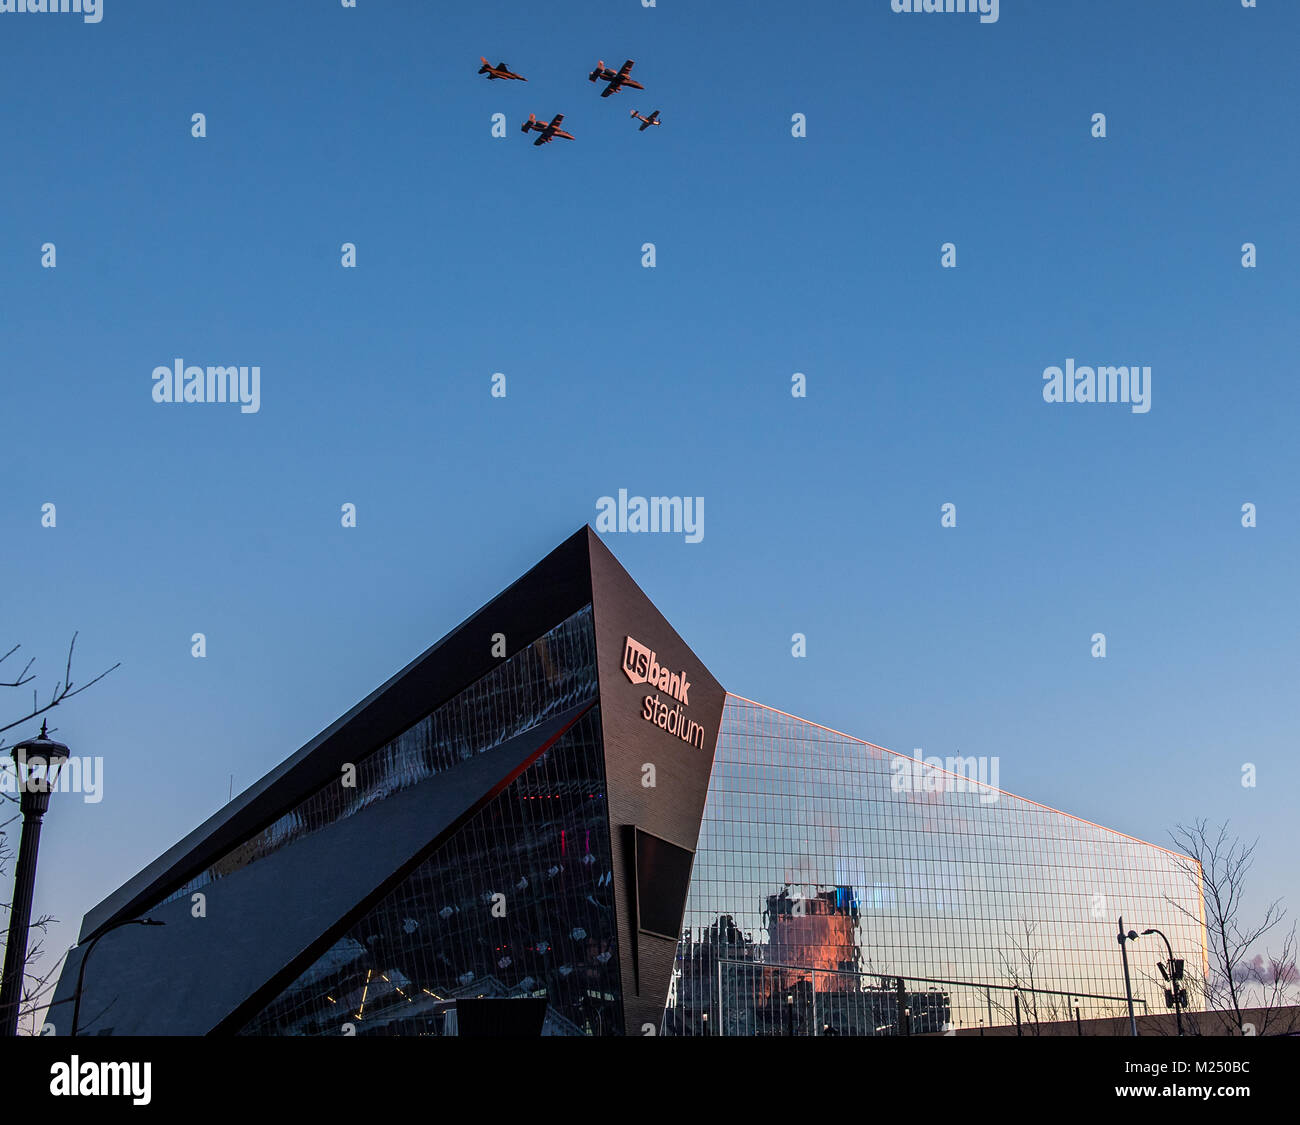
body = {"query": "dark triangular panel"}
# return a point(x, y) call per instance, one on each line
point(680, 755)
point(517, 903)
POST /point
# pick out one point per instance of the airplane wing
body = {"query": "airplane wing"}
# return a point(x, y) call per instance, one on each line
point(542, 138)
point(616, 83)
point(555, 121)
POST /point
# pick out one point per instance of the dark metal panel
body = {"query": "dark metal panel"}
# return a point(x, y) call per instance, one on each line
point(673, 807)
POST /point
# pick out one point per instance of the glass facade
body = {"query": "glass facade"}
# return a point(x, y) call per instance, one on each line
point(519, 903)
point(554, 673)
point(828, 868)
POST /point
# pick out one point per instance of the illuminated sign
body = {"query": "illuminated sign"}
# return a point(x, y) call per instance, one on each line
point(641, 666)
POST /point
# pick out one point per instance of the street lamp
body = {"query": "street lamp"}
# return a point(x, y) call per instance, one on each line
point(38, 761)
point(1174, 977)
point(81, 972)
point(1131, 935)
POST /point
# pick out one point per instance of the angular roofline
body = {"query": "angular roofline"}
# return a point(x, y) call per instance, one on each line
point(451, 663)
point(985, 785)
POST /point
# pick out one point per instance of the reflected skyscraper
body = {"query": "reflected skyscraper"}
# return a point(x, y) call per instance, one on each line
point(971, 895)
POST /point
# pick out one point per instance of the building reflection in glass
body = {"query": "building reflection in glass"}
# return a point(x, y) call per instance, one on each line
point(820, 880)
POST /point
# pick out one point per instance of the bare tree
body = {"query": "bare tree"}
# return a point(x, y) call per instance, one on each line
point(1274, 975)
point(62, 691)
point(37, 985)
point(1217, 863)
point(1022, 956)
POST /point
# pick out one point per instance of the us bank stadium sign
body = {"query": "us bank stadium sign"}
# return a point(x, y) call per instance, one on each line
point(642, 667)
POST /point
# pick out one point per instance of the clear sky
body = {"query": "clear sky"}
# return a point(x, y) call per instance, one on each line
point(775, 255)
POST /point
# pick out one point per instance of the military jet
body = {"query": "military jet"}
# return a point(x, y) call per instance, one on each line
point(549, 130)
point(617, 79)
point(646, 122)
point(499, 71)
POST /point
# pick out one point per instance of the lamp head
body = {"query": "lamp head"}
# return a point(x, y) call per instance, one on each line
point(38, 761)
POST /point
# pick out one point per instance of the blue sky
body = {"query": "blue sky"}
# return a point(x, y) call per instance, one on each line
point(774, 255)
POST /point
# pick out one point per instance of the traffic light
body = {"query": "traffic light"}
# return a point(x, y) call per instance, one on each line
point(1177, 970)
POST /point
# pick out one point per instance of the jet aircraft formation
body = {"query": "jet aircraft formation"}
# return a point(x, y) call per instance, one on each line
point(547, 131)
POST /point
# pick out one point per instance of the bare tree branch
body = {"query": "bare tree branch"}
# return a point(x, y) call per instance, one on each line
point(63, 690)
point(22, 676)
point(1218, 863)
point(36, 986)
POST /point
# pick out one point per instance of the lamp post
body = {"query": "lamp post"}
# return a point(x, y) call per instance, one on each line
point(38, 761)
point(1131, 935)
point(81, 972)
point(1173, 976)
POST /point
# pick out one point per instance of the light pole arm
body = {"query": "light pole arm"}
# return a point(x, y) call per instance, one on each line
point(1169, 948)
point(90, 946)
